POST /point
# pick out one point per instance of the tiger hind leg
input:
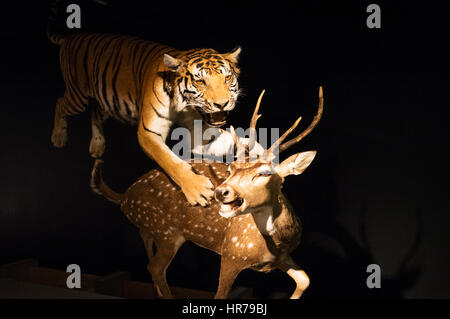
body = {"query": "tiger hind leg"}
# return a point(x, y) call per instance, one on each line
point(65, 106)
point(59, 133)
point(97, 145)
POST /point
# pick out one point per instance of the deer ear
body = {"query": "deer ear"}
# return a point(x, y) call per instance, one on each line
point(172, 63)
point(233, 56)
point(295, 164)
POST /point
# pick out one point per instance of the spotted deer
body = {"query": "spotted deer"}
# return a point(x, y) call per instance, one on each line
point(250, 223)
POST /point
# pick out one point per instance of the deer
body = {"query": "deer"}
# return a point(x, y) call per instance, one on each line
point(250, 223)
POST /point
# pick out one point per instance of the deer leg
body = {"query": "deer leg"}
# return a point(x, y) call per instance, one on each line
point(229, 270)
point(296, 273)
point(148, 242)
point(159, 261)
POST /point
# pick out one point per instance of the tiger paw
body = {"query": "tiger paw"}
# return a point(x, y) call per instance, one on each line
point(97, 146)
point(59, 137)
point(198, 189)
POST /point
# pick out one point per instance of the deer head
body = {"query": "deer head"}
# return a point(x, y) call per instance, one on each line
point(253, 186)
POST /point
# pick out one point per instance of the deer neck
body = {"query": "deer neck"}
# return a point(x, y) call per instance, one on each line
point(271, 219)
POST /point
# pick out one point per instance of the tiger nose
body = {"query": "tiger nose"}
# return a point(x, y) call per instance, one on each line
point(223, 193)
point(223, 105)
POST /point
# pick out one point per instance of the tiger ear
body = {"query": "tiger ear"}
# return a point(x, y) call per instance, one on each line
point(233, 56)
point(172, 63)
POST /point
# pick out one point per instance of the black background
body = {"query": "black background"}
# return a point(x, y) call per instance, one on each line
point(381, 169)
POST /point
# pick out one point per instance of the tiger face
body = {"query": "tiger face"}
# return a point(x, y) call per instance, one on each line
point(207, 81)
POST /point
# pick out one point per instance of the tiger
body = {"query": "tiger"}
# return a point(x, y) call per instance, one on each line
point(148, 85)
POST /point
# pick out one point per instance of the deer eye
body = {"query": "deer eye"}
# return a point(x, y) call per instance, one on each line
point(265, 173)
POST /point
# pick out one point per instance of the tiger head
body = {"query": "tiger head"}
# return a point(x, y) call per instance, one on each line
point(207, 81)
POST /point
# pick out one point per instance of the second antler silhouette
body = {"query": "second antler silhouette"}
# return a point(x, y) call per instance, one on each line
point(250, 224)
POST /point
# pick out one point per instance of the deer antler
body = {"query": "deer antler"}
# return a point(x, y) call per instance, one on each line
point(282, 147)
point(255, 117)
point(240, 148)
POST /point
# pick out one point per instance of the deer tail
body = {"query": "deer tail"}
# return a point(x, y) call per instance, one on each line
point(99, 186)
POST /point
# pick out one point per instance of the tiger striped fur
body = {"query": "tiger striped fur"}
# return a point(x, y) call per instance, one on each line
point(149, 85)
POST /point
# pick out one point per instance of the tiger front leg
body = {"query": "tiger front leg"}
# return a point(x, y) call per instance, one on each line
point(198, 189)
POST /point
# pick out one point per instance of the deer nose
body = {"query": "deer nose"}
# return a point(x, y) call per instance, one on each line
point(223, 193)
point(222, 106)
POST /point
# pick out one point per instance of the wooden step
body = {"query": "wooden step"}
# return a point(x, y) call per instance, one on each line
point(117, 284)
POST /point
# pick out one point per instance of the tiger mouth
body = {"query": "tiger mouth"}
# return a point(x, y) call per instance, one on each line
point(214, 119)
